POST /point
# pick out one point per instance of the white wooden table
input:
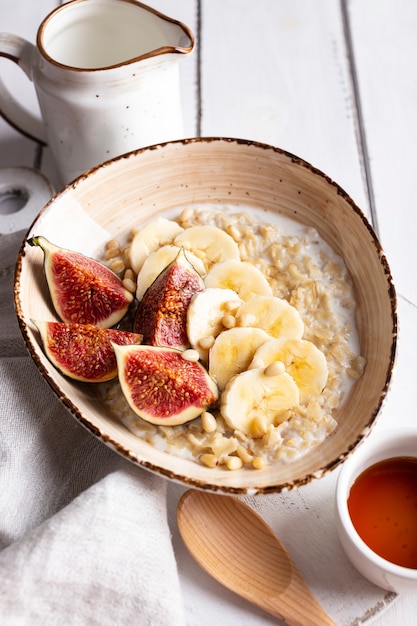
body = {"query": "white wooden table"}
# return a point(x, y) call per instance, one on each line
point(333, 81)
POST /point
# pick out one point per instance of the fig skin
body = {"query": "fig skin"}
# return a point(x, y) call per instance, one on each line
point(83, 290)
point(161, 316)
point(161, 386)
point(82, 351)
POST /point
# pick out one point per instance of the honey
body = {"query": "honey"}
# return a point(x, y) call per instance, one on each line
point(383, 508)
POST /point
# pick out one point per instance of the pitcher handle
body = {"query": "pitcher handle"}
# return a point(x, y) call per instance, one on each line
point(20, 52)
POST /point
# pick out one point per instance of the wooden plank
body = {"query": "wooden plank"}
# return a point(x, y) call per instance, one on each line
point(288, 85)
point(385, 47)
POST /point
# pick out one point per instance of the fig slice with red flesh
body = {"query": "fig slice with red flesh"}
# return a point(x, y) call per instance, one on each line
point(161, 316)
point(163, 387)
point(83, 290)
point(83, 351)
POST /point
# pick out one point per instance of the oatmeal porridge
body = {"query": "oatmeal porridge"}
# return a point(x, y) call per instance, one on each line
point(295, 269)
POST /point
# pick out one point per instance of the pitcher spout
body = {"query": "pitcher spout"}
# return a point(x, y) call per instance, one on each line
point(135, 32)
point(178, 36)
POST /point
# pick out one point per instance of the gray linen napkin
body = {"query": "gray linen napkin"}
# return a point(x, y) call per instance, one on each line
point(84, 537)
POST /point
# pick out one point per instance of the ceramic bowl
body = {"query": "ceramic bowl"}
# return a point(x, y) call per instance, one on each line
point(384, 445)
point(107, 201)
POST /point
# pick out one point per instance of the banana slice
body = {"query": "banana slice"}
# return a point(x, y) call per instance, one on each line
point(205, 315)
point(302, 360)
point(233, 351)
point(157, 261)
point(210, 243)
point(252, 400)
point(241, 276)
point(156, 233)
point(274, 315)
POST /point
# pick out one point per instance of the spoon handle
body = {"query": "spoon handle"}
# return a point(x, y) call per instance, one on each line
point(293, 603)
point(298, 607)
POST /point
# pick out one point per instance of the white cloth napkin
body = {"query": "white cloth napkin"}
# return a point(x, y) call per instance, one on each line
point(84, 538)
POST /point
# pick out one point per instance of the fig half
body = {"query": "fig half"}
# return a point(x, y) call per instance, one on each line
point(161, 316)
point(83, 290)
point(161, 386)
point(83, 351)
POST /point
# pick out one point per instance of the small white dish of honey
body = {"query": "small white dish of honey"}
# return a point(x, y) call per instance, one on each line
point(376, 506)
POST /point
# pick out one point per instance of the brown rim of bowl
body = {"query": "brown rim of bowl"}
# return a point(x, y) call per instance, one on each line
point(189, 481)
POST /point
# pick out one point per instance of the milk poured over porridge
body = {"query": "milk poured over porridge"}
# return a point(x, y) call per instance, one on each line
point(300, 269)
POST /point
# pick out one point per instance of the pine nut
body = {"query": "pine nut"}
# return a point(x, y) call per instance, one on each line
point(111, 253)
point(209, 460)
point(234, 232)
point(129, 273)
point(113, 243)
point(229, 321)
point(126, 258)
point(117, 266)
point(129, 284)
point(190, 355)
point(186, 214)
point(208, 422)
point(243, 251)
point(259, 462)
point(234, 463)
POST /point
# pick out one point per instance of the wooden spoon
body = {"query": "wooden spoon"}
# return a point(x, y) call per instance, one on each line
point(235, 546)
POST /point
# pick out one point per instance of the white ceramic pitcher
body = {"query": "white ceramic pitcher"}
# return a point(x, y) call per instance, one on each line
point(107, 81)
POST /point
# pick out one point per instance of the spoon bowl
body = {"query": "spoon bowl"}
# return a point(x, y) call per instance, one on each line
point(237, 548)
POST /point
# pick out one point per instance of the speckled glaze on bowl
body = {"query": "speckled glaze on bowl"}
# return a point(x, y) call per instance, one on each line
point(109, 200)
